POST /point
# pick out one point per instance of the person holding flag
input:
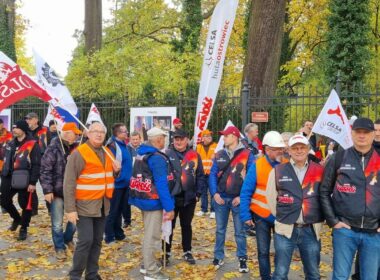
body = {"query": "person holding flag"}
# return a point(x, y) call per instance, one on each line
point(5, 137)
point(19, 175)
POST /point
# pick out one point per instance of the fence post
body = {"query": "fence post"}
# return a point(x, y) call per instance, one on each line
point(180, 105)
point(244, 104)
point(338, 83)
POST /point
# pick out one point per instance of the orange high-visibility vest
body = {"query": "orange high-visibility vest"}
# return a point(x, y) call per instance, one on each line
point(259, 203)
point(95, 181)
point(206, 156)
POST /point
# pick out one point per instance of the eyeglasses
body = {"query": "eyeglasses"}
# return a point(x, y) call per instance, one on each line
point(97, 132)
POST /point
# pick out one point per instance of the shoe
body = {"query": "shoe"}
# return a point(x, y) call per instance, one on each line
point(143, 270)
point(14, 225)
point(60, 254)
point(189, 257)
point(23, 234)
point(212, 215)
point(200, 214)
point(3, 210)
point(243, 268)
point(156, 276)
point(126, 225)
point(70, 245)
point(217, 263)
point(119, 238)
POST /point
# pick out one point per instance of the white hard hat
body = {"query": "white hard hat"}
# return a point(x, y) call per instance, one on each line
point(273, 139)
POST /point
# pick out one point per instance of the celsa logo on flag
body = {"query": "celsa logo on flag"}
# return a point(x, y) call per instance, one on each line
point(336, 112)
point(12, 81)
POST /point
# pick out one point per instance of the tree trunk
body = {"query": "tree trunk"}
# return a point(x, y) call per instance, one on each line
point(265, 34)
point(93, 25)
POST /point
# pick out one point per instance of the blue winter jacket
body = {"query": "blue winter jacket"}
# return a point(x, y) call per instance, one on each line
point(213, 177)
point(158, 167)
point(123, 154)
point(248, 188)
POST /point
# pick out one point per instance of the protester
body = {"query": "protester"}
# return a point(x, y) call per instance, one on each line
point(351, 203)
point(52, 132)
point(119, 201)
point(206, 150)
point(150, 187)
point(286, 136)
point(53, 164)
point(376, 142)
point(19, 175)
point(177, 124)
point(225, 181)
point(5, 137)
point(135, 142)
point(293, 198)
point(89, 185)
point(254, 207)
point(39, 133)
point(306, 131)
point(252, 141)
point(188, 171)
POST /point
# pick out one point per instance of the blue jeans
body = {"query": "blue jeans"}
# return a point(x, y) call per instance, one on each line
point(345, 244)
point(113, 229)
point(263, 237)
point(222, 213)
point(310, 251)
point(56, 214)
point(204, 198)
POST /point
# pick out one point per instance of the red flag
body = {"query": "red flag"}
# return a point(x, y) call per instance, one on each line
point(15, 84)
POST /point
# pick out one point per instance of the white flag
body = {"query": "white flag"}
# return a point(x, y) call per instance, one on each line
point(63, 106)
point(219, 32)
point(221, 139)
point(166, 229)
point(333, 123)
point(94, 115)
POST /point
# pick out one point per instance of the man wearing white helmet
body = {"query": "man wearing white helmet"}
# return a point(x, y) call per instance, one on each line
point(293, 197)
point(253, 203)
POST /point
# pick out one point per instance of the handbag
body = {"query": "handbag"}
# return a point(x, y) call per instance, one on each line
point(20, 179)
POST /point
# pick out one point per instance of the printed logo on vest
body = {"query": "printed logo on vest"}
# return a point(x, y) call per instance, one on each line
point(286, 199)
point(285, 179)
point(345, 188)
point(170, 177)
point(139, 185)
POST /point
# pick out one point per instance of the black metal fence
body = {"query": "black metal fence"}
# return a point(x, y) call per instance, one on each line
point(286, 113)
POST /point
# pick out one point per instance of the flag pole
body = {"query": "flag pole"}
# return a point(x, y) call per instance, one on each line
point(75, 117)
point(59, 136)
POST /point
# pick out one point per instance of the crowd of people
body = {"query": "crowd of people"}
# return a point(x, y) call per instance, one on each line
point(283, 188)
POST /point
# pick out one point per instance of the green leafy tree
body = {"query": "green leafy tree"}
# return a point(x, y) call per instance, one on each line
point(348, 46)
point(7, 27)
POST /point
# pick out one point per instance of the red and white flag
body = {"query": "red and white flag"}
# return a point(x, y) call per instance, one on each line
point(94, 115)
point(16, 84)
point(219, 32)
point(333, 123)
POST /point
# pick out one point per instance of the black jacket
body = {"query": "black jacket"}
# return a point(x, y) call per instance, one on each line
point(346, 189)
point(35, 159)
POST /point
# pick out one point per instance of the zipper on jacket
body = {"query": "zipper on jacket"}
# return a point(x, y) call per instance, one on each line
point(365, 194)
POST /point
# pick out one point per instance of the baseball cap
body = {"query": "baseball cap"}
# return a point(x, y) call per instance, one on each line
point(177, 121)
point(31, 115)
point(231, 130)
point(21, 124)
point(206, 132)
point(155, 131)
point(71, 126)
point(180, 133)
point(298, 139)
point(363, 123)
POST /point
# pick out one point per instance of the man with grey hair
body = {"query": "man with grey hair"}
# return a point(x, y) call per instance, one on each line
point(89, 185)
point(286, 136)
point(252, 141)
point(150, 187)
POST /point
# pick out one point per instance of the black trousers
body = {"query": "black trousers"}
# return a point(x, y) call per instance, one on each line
point(87, 251)
point(186, 214)
point(6, 201)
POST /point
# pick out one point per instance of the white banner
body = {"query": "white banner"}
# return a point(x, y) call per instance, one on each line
point(333, 123)
point(94, 115)
point(220, 28)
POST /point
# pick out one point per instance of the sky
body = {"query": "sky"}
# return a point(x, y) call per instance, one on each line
point(52, 24)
